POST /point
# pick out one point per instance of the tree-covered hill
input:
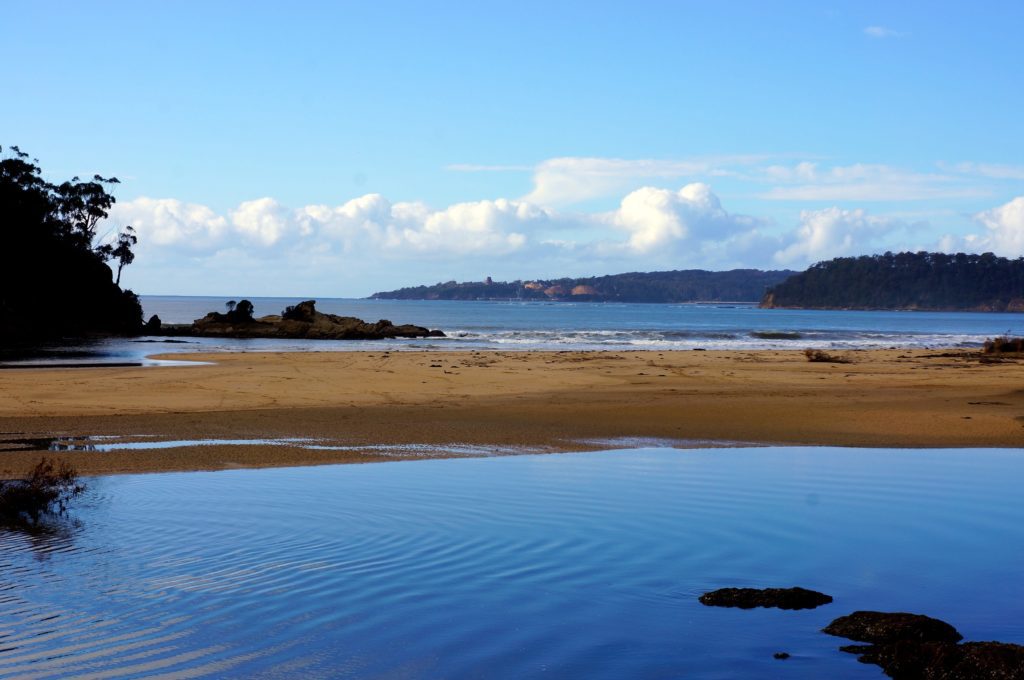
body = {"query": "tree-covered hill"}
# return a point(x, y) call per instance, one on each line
point(693, 285)
point(54, 280)
point(923, 281)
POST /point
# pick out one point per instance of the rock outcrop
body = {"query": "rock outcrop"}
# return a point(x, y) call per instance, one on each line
point(782, 598)
point(300, 322)
point(908, 646)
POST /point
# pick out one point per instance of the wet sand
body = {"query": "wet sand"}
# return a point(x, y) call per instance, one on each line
point(535, 400)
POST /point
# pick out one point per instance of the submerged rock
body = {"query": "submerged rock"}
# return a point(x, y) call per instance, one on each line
point(782, 598)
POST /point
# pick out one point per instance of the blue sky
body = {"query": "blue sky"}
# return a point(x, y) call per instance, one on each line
point(336, 148)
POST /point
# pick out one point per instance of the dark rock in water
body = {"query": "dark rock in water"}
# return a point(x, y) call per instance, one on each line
point(909, 660)
point(912, 646)
point(782, 598)
point(300, 321)
point(152, 326)
point(890, 627)
point(947, 661)
point(781, 655)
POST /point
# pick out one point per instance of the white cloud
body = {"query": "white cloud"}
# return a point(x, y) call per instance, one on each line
point(832, 232)
point(167, 222)
point(882, 32)
point(262, 221)
point(989, 170)
point(861, 182)
point(659, 218)
point(1004, 230)
point(565, 181)
point(370, 242)
point(369, 223)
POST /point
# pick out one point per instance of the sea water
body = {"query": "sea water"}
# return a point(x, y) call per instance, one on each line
point(565, 326)
point(567, 565)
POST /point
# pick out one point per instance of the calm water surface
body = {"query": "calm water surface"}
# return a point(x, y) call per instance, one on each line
point(575, 565)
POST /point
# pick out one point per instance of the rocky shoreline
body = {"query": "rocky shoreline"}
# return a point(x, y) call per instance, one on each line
point(300, 322)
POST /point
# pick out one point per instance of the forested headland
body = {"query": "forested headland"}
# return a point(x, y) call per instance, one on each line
point(54, 279)
point(920, 281)
point(692, 285)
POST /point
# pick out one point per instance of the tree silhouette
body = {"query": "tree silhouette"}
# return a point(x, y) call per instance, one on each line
point(123, 252)
point(50, 262)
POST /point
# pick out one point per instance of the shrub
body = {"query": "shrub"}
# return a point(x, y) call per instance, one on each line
point(46, 490)
point(1003, 344)
point(824, 357)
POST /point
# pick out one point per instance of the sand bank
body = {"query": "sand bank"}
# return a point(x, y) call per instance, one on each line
point(539, 400)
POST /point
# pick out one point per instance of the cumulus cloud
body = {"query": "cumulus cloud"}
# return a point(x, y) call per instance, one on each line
point(167, 222)
point(832, 232)
point(262, 221)
point(1004, 231)
point(369, 222)
point(268, 246)
point(660, 218)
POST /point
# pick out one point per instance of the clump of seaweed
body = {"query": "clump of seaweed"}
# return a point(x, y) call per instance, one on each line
point(46, 490)
point(1002, 345)
point(817, 355)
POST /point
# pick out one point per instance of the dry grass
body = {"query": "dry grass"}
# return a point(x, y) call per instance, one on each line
point(45, 490)
point(1003, 345)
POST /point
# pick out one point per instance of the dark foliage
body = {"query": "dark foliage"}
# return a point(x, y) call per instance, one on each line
point(46, 490)
point(1003, 344)
point(238, 312)
point(921, 280)
point(242, 312)
point(817, 355)
point(54, 280)
point(738, 285)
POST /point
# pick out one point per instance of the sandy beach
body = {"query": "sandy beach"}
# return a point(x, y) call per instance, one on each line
point(557, 401)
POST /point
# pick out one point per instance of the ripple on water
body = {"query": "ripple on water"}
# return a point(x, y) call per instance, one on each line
point(581, 564)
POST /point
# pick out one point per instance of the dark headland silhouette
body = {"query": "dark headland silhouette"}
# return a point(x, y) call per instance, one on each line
point(690, 285)
point(54, 280)
point(913, 281)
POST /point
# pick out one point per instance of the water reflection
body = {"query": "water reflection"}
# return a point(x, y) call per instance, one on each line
point(579, 565)
point(143, 442)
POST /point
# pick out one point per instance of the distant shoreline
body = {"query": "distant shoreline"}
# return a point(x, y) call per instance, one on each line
point(552, 401)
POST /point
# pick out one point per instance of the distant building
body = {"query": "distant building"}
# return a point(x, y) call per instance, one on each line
point(488, 281)
point(533, 285)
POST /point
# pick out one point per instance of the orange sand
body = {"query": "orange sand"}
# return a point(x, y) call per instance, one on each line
point(528, 399)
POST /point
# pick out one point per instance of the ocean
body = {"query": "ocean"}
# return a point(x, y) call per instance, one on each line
point(516, 325)
point(619, 326)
